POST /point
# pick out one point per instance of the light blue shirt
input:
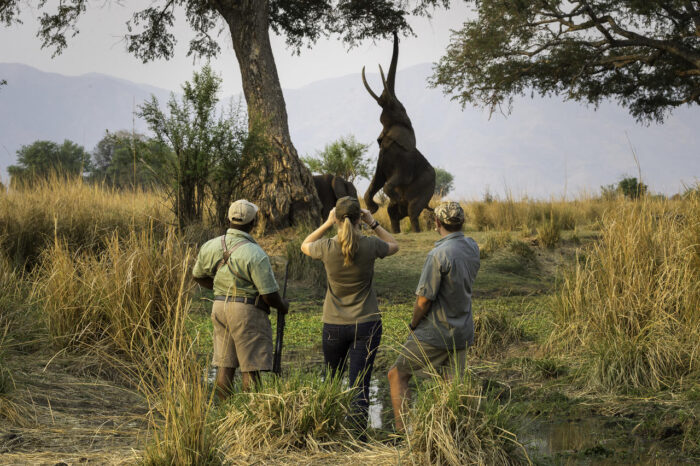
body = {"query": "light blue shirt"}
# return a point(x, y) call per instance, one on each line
point(447, 278)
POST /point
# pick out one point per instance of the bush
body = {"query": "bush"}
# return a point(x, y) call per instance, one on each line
point(632, 306)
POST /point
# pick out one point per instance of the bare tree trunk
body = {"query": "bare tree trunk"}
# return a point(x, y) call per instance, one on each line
point(288, 195)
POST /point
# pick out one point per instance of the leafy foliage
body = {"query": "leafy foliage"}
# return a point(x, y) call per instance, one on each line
point(125, 160)
point(43, 159)
point(344, 158)
point(644, 54)
point(149, 33)
point(631, 188)
point(628, 187)
point(213, 153)
point(444, 182)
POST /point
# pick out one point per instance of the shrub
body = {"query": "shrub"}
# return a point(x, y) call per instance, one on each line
point(631, 308)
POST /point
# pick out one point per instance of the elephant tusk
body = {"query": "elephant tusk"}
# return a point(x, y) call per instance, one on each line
point(369, 89)
point(381, 72)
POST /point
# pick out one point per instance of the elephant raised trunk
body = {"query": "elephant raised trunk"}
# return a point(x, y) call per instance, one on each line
point(406, 176)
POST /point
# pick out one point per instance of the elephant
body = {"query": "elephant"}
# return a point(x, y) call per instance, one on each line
point(402, 171)
point(330, 188)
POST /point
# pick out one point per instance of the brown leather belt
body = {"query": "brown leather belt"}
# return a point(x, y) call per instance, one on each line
point(257, 301)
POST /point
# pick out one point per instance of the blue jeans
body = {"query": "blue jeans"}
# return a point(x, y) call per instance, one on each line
point(353, 346)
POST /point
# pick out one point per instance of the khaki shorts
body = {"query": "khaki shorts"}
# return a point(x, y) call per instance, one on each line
point(424, 360)
point(242, 337)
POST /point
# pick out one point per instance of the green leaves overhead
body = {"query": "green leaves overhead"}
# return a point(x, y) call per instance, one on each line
point(644, 54)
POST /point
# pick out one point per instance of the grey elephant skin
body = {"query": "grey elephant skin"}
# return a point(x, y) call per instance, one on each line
point(331, 188)
point(402, 171)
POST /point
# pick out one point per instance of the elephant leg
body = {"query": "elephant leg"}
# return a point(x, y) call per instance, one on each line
point(394, 211)
point(375, 185)
point(420, 196)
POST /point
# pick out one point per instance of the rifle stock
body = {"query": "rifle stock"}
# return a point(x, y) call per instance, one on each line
point(277, 357)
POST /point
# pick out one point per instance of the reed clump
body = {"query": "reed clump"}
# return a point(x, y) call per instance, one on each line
point(114, 302)
point(453, 423)
point(80, 214)
point(632, 306)
point(171, 376)
point(299, 412)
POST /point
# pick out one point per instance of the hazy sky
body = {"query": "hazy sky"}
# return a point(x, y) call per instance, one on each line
point(99, 48)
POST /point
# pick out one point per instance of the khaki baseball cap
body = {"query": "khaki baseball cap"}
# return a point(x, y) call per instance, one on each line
point(242, 212)
point(349, 207)
point(450, 213)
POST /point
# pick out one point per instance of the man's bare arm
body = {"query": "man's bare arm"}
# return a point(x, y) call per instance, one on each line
point(420, 309)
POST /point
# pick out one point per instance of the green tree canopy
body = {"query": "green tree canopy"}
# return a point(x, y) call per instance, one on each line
point(344, 157)
point(214, 155)
point(126, 160)
point(287, 193)
point(444, 182)
point(43, 159)
point(643, 53)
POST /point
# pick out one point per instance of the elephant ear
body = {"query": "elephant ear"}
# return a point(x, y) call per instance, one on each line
point(339, 188)
point(351, 189)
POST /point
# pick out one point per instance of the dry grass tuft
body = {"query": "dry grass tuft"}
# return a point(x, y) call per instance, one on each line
point(454, 424)
point(301, 412)
point(632, 307)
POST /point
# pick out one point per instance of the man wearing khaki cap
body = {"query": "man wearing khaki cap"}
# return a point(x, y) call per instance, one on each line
point(442, 326)
point(239, 272)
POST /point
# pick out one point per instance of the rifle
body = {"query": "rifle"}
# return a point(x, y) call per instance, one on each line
point(277, 357)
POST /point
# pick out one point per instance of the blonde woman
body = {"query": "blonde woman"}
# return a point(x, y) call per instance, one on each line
point(352, 325)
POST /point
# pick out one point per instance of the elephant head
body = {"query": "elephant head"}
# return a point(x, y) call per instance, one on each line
point(331, 188)
point(342, 188)
point(396, 124)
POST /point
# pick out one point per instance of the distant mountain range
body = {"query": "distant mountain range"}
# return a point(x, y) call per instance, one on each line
point(543, 148)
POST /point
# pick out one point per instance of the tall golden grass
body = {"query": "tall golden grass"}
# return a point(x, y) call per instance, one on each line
point(80, 214)
point(527, 214)
point(117, 301)
point(631, 305)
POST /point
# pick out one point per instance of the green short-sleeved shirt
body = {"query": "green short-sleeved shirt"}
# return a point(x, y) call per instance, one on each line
point(447, 278)
point(350, 297)
point(249, 261)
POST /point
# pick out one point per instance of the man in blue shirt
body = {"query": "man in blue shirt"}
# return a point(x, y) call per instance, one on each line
point(442, 326)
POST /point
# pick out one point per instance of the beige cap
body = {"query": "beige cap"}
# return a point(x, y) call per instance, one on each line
point(242, 212)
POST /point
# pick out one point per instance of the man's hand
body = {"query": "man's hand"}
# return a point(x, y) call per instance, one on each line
point(276, 301)
point(205, 282)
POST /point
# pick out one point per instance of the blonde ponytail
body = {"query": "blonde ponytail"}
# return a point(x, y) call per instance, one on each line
point(349, 240)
